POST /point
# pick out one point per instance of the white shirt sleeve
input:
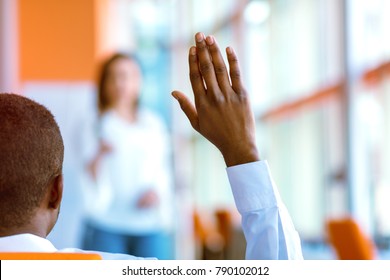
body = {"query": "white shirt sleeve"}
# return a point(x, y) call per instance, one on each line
point(268, 228)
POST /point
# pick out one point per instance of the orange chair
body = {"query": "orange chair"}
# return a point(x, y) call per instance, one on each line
point(214, 233)
point(225, 223)
point(207, 237)
point(48, 256)
point(349, 241)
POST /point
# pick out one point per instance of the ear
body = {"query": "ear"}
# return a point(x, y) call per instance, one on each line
point(56, 190)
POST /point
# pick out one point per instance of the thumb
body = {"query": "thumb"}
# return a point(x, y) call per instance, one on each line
point(188, 108)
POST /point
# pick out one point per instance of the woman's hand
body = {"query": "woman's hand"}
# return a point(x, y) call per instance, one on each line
point(148, 199)
point(93, 166)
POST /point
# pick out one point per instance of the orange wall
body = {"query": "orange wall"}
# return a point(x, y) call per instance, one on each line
point(58, 39)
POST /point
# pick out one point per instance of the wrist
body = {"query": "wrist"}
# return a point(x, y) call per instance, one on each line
point(241, 155)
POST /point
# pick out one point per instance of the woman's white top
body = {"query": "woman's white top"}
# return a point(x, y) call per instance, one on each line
point(139, 161)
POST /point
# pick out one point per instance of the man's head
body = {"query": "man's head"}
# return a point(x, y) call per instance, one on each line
point(31, 156)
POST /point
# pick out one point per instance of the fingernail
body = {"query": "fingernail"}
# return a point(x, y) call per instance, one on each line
point(175, 96)
point(199, 37)
point(210, 40)
point(229, 50)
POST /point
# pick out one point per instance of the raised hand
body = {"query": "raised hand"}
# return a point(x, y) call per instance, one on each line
point(222, 111)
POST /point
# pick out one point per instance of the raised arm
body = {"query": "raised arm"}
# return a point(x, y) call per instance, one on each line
point(222, 114)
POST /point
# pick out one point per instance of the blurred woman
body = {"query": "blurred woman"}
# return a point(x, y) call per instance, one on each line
point(130, 200)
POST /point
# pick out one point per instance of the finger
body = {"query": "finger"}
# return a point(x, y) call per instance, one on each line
point(219, 64)
point(188, 108)
point(206, 66)
point(196, 79)
point(234, 71)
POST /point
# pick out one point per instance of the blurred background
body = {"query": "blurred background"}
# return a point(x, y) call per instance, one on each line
point(318, 75)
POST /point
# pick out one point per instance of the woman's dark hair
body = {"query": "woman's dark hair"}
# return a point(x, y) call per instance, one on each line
point(103, 98)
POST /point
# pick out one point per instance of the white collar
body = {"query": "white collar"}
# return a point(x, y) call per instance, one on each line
point(25, 242)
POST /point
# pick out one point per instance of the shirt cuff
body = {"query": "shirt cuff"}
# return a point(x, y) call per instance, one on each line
point(252, 186)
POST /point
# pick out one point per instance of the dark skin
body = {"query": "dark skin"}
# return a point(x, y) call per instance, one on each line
point(46, 215)
point(222, 112)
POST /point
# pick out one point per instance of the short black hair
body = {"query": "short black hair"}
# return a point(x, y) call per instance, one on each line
point(31, 156)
